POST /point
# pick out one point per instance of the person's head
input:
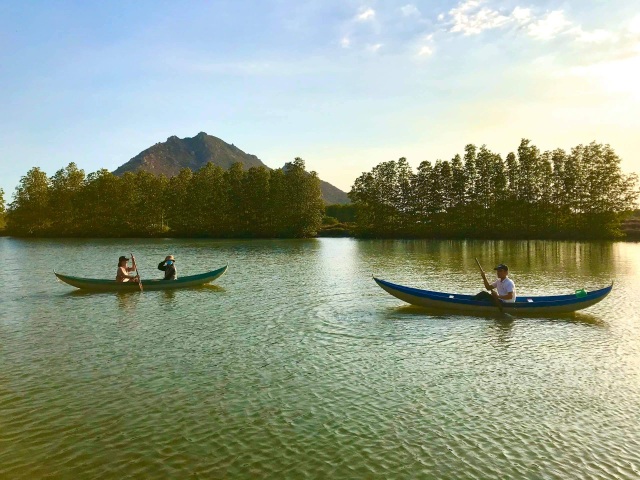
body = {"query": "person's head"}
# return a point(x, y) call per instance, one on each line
point(122, 261)
point(169, 259)
point(502, 271)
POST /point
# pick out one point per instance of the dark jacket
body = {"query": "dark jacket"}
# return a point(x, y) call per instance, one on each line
point(170, 272)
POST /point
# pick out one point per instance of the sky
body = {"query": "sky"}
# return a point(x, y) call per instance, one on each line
point(343, 84)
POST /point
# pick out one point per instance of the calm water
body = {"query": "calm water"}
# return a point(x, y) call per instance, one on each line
point(296, 365)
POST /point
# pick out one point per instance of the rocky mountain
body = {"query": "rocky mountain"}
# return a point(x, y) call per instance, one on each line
point(168, 158)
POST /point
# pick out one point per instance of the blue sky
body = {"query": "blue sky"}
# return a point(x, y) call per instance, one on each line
point(343, 84)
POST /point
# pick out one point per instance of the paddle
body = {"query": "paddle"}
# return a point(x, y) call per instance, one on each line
point(133, 260)
point(495, 300)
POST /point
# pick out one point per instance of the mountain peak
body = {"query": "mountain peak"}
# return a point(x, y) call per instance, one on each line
point(170, 157)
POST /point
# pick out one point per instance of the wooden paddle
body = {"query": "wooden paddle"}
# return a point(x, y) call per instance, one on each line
point(133, 260)
point(495, 300)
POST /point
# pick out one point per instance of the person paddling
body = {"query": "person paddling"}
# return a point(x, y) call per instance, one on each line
point(123, 271)
point(502, 289)
point(168, 266)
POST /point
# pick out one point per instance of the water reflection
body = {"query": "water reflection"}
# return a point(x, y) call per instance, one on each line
point(127, 301)
point(502, 320)
point(501, 330)
point(531, 261)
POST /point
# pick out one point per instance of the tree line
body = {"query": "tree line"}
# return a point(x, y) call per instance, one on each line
point(529, 194)
point(211, 202)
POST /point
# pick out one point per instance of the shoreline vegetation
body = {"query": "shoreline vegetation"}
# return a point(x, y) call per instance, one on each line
point(576, 195)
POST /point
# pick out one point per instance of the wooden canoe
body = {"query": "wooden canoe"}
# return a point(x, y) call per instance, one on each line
point(101, 285)
point(524, 305)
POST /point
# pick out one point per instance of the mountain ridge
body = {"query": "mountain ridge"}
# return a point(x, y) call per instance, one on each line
point(168, 158)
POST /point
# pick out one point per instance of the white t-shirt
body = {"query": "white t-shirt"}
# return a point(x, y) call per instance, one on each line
point(505, 286)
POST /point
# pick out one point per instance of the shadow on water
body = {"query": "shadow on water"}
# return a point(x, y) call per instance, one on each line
point(210, 288)
point(502, 320)
point(86, 293)
point(127, 300)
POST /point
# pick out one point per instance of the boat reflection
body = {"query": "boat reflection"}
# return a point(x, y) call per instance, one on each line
point(501, 319)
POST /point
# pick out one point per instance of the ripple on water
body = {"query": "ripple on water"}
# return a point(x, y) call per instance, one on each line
point(304, 368)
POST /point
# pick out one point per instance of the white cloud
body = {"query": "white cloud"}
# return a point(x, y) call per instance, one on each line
point(549, 26)
point(366, 14)
point(345, 42)
point(374, 48)
point(410, 10)
point(425, 51)
point(595, 36)
point(470, 19)
point(521, 15)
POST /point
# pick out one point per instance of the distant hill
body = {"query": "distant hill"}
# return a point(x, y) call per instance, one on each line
point(169, 157)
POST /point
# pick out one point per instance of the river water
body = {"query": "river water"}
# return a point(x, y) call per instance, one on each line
point(294, 364)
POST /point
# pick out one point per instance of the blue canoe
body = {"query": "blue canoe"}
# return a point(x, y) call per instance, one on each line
point(102, 285)
point(524, 305)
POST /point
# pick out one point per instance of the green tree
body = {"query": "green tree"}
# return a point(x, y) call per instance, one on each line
point(64, 202)
point(529, 195)
point(605, 195)
point(101, 199)
point(29, 212)
point(342, 212)
point(207, 199)
point(177, 212)
point(376, 196)
point(234, 211)
point(425, 206)
point(304, 203)
point(147, 210)
point(256, 197)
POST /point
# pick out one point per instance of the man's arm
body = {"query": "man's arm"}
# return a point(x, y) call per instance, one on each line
point(487, 285)
point(508, 296)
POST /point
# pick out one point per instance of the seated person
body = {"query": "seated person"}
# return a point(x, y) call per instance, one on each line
point(502, 289)
point(123, 271)
point(168, 266)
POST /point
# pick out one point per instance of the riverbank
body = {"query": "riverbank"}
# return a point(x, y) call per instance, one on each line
point(630, 229)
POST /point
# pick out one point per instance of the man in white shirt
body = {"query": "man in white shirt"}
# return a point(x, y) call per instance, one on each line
point(502, 289)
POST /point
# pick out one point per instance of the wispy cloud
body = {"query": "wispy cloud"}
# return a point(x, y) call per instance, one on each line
point(410, 10)
point(549, 26)
point(425, 51)
point(402, 29)
point(366, 15)
point(595, 36)
point(521, 15)
point(470, 18)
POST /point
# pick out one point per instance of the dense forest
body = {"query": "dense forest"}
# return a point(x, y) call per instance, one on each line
point(581, 194)
point(211, 202)
point(529, 194)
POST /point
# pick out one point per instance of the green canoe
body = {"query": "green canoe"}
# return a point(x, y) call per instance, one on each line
point(101, 285)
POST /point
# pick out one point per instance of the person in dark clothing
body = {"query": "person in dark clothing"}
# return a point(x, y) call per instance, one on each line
point(168, 266)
